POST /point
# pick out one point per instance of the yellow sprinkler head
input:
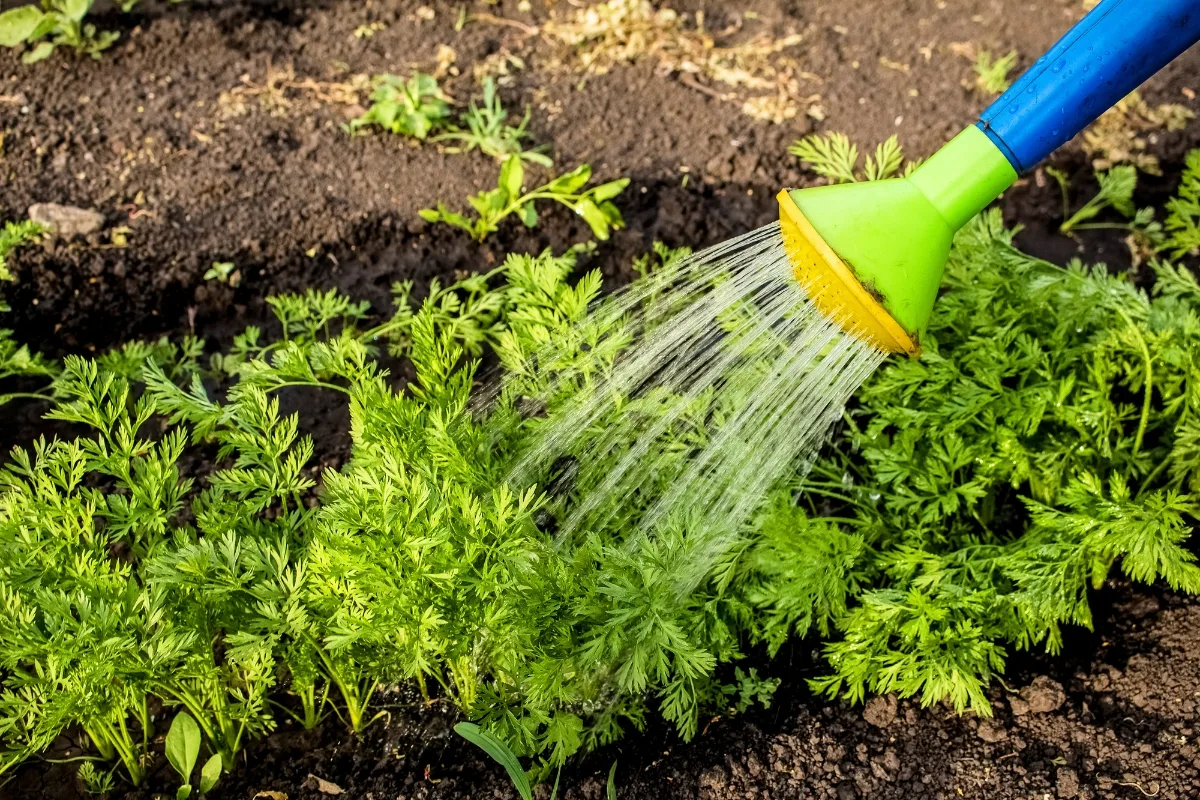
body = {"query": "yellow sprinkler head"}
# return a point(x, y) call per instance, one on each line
point(833, 287)
point(871, 255)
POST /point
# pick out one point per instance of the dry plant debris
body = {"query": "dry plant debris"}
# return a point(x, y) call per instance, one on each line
point(281, 89)
point(1120, 135)
point(625, 31)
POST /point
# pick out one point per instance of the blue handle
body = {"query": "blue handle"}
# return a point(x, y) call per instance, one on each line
point(1108, 54)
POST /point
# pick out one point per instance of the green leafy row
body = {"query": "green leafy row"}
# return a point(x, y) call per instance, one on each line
point(1049, 435)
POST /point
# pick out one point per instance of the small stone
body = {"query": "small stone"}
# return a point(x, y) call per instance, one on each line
point(1019, 707)
point(991, 731)
point(1068, 783)
point(720, 167)
point(66, 221)
point(1043, 695)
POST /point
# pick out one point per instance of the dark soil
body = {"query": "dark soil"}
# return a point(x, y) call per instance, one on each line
point(172, 136)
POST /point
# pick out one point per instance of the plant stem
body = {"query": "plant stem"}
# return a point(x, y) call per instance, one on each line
point(1150, 478)
point(1149, 380)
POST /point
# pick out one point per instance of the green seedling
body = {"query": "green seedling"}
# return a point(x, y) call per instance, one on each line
point(414, 107)
point(749, 690)
point(95, 781)
point(991, 76)
point(223, 272)
point(183, 748)
point(57, 23)
point(509, 197)
point(834, 157)
point(1116, 191)
point(486, 130)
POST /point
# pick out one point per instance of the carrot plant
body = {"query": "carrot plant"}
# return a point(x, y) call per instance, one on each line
point(1183, 213)
point(968, 505)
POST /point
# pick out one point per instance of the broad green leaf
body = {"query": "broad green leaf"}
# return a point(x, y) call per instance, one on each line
point(500, 753)
point(512, 177)
point(612, 214)
point(76, 10)
point(183, 744)
point(18, 24)
point(42, 51)
point(45, 27)
point(573, 181)
point(607, 191)
point(210, 773)
point(594, 217)
point(529, 215)
point(183, 792)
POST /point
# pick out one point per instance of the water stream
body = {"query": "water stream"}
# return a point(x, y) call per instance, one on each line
point(729, 380)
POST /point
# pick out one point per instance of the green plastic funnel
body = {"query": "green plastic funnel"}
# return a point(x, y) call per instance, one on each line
point(872, 254)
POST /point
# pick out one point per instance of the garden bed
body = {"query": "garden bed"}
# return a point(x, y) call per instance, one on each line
point(212, 133)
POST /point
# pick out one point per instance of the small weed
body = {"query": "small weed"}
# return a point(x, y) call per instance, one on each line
point(834, 157)
point(749, 689)
point(183, 748)
point(991, 76)
point(223, 272)
point(509, 197)
point(57, 23)
point(414, 107)
point(487, 130)
point(94, 781)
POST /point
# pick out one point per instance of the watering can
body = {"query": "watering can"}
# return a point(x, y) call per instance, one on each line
point(872, 254)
